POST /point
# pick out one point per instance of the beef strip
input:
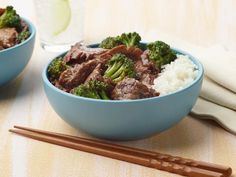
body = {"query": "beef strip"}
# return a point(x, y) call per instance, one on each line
point(140, 67)
point(146, 69)
point(24, 26)
point(76, 75)
point(131, 52)
point(96, 74)
point(2, 11)
point(147, 79)
point(8, 37)
point(149, 63)
point(80, 53)
point(57, 84)
point(1, 45)
point(129, 88)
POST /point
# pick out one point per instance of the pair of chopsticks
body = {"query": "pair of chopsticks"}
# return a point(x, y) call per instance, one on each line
point(177, 165)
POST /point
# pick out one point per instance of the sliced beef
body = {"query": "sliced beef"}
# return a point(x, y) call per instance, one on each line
point(129, 88)
point(140, 67)
point(149, 63)
point(2, 11)
point(96, 74)
point(24, 26)
point(131, 52)
point(147, 79)
point(80, 53)
point(76, 75)
point(56, 83)
point(145, 73)
point(8, 37)
point(134, 52)
point(1, 45)
point(110, 83)
point(146, 69)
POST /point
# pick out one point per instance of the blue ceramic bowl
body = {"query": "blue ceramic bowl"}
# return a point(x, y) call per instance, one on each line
point(13, 60)
point(124, 120)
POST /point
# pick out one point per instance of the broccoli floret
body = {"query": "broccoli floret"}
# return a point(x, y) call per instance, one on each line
point(10, 19)
point(130, 39)
point(56, 68)
point(109, 43)
point(23, 36)
point(160, 53)
point(92, 89)
point(119, 66)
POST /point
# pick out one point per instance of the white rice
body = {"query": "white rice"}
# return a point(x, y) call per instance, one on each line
point(176, 75)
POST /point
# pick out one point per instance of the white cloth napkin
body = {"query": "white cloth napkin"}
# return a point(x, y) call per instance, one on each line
point(218, 94)
point(217, 99)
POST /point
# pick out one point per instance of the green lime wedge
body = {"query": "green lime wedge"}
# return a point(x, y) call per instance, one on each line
point(61, 16)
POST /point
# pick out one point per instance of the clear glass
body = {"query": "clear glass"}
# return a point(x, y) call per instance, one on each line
point(60, 23)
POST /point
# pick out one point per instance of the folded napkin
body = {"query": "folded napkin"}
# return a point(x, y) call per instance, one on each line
point(223, 116)
point(218, 94)
point(217, 99)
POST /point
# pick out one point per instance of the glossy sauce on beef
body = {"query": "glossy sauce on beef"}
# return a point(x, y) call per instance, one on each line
point(7, 37)
point(90, 63)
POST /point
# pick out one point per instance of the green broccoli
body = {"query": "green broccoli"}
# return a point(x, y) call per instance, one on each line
point(160, 53)
point(92, 89)
point(119, 66)
point(56, 68)
point(109, 43)
point(130, 39)
point(10, 19)
point(23, 36)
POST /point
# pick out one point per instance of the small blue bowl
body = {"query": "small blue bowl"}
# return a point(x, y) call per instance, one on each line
point(13, 60)
point(128, 119)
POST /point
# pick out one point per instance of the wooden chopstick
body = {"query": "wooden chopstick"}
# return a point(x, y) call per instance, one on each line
point(133, 155)
point(164, 157)
point(162, 165)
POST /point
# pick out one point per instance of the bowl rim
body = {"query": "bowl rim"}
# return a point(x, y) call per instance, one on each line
point(31, 29)
point(192, 58)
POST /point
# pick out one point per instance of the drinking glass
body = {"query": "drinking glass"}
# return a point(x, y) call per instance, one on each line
point(60, 23)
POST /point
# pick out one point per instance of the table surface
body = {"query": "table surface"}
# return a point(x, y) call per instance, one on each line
point(23, 101)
